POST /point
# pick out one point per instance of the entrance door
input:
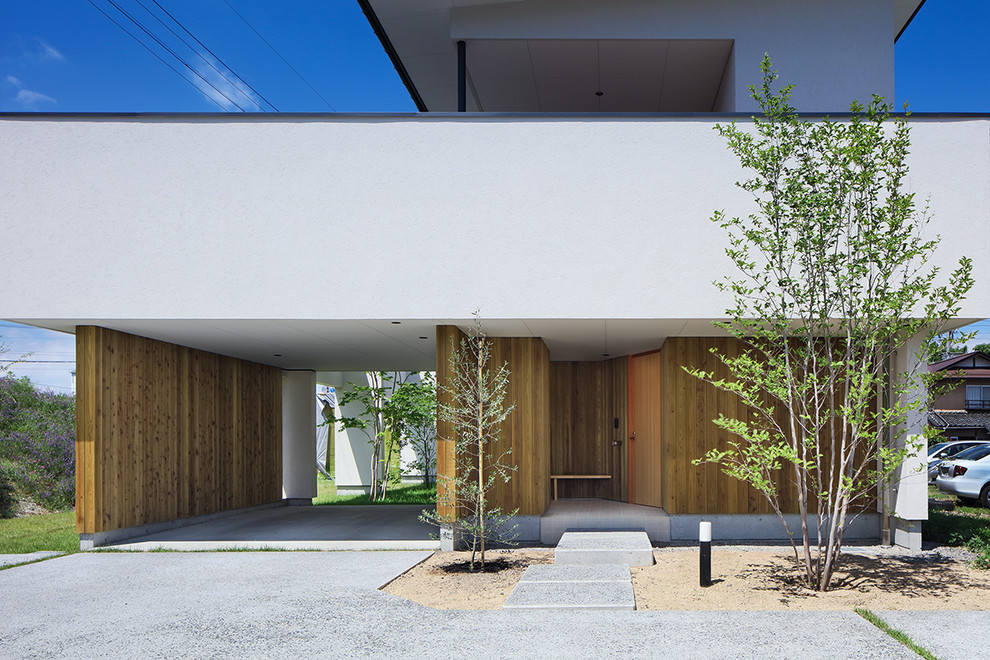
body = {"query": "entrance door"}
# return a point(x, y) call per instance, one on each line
point(644, 429)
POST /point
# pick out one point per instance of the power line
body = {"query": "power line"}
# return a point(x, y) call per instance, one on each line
point(299, 75)
point(39, 361)
point(170, 52)
point(160, 58)
point(174, 54)
point(238, 78)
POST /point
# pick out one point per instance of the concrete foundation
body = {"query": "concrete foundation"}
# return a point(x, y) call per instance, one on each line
point(906, 533)
point(763, 527)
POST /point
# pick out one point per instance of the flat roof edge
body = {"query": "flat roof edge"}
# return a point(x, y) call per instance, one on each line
point(463, 116)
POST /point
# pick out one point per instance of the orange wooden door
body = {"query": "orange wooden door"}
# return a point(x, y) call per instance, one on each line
point(644, 429)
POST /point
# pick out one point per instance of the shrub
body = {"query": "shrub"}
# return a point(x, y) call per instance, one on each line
point(980, 544)
point(37, 439)
point(8, 500)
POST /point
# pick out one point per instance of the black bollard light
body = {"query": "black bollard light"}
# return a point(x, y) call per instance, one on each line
point(705, 539)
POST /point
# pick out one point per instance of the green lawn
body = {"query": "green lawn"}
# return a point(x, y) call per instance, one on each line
point(967, 526)
point(401, 494)
point(52, 531)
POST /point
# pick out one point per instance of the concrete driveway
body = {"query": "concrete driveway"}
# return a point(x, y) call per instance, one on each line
point(367, 527)
point(326, 604)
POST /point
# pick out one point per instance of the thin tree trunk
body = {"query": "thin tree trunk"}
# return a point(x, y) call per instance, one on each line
point(481, 459)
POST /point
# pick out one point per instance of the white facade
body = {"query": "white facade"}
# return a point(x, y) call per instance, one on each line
point(588, 229)
point(593, 233)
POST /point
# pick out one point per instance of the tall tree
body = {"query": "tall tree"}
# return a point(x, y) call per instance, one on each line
point(419, 401)
point(833, 279)
point(477, 391)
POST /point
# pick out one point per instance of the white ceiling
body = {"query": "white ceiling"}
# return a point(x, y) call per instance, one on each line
point(564, 75)
point(409, 345)
point(419, 30)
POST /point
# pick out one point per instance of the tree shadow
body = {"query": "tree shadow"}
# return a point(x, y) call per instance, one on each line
point(910, 576)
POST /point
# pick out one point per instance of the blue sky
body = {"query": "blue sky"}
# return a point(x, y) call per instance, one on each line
point(320, 56)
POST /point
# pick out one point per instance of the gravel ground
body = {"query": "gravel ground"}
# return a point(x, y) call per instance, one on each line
point(290, 605)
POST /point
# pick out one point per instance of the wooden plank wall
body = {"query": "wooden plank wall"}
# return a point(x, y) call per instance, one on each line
point(689, 406)
point(526, 431)
point(585, 400)
point(646, 421)
point(167, 432)
point(448, 341)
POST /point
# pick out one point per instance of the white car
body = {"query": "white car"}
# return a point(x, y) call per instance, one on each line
point(944, 451)
point(967, 476)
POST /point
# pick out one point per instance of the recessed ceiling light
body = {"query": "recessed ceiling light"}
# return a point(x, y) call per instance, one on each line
point(606, 354)
point(396, 322)
point(277, 355)
point(424, 337)
point(599, 93)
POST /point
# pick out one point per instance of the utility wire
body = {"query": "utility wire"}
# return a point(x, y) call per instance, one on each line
point(174, 54)
point(212, 54)
point(200, 56)
point(160, 58)
point(299, 75)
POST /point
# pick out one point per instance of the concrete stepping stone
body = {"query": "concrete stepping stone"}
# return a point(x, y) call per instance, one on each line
point(556, 587)
point(571, 596)
point(595, 548)
point(576, 573)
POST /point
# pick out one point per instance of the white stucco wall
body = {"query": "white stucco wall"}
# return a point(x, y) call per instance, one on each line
point(834, 51)
point(298, 435)
point(352, 447)
point(229, 218)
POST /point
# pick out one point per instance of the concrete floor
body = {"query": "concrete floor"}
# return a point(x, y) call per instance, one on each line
point(370, 527)
point(326, 604)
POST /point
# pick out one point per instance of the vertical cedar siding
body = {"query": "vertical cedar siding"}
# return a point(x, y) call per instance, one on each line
point(527, 430)
point(167, 432)
point(586, 399)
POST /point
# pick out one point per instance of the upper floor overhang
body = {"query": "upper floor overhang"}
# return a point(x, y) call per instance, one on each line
point(636, 55)
point(245, 235)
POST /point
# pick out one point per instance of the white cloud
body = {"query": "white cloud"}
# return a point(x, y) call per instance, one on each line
point(49, 53)
point(15, 82)
point(228, 93)
point(30, 100)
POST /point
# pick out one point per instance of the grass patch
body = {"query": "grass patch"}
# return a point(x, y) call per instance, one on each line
point(52, 531)
point(894, 633)
point(401, 494)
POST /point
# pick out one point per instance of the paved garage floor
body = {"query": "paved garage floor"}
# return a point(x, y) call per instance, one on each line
point(370, 527)
point(326, 604)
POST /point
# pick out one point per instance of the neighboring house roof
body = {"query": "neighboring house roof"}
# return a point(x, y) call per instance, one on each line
point(972, 365)
point(943, 419)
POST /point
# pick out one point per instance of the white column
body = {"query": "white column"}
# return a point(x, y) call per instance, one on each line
point(907, 497)
point(299, 436)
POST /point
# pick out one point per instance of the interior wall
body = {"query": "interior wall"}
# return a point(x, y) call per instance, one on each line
point(527, 430)
point(166, 432)
point(588, 413)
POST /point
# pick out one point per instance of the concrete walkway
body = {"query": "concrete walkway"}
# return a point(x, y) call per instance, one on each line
point(325, 604)
point(368, 527)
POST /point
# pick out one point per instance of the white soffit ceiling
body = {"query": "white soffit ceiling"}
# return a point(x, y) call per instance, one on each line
point(566, 75)
point(419, 30)
point(408, 345)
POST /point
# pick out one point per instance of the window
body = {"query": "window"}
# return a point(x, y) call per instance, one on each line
point(978, 397)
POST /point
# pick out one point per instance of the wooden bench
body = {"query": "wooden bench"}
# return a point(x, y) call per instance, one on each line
point(555, 478)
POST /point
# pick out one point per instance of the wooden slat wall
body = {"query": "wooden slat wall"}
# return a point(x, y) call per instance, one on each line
point(448, 341)
point(527, 431)
point(645, 392)
point(166, 432)
point(689, 406)
point(586, 398)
